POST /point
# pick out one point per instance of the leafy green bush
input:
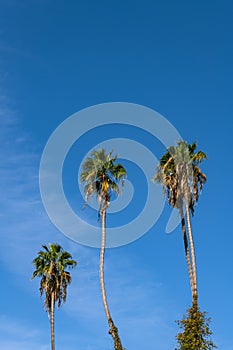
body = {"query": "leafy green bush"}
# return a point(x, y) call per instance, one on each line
point(196, 332)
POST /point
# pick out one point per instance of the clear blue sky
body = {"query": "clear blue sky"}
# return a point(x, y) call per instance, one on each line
point(58, 57)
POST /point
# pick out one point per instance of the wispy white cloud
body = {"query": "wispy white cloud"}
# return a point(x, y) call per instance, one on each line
point(22, 345)
point(15, 335)
point(24, 224)
point(16, 329)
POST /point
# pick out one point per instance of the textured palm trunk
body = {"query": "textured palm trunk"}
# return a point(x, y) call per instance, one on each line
point(194, 270)
point(52, 322)
point(186, 248)
point(112, 328)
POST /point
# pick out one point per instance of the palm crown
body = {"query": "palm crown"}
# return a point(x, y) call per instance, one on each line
point(51, 265)
point(102, 177)
point(179, 173)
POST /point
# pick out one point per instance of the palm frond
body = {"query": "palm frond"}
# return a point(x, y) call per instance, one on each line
point(102, 176)
point(51, 266)
point(179, 174)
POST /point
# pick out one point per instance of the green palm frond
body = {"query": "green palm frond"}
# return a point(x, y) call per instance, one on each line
point(51, 265)
point(102, 176)
point(177, 167)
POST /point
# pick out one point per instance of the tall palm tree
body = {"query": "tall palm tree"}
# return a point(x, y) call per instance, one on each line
point(50, 265)
point(179, 173)
point(102, 177)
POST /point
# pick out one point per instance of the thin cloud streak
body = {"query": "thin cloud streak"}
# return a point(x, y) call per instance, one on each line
point(24, 224)
point(16, 329)
point(15, 335)
point(24, 221)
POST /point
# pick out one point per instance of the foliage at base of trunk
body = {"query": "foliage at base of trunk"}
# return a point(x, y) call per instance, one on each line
point(196, 332)
point(113, 330)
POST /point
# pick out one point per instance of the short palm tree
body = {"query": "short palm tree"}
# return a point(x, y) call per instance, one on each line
point(102, 177)
point(179, 173)
point(50, 266)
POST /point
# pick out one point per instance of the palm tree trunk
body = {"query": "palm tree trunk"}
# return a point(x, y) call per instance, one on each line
point(52, 322)
point(186, 248)
point(194, 270)
point(112, 328)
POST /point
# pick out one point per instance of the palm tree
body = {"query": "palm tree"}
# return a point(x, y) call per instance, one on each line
point(102, 177)
point(179, 173)
point(50, 265)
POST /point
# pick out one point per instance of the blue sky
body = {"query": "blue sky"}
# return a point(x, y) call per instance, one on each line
point(57, 58)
